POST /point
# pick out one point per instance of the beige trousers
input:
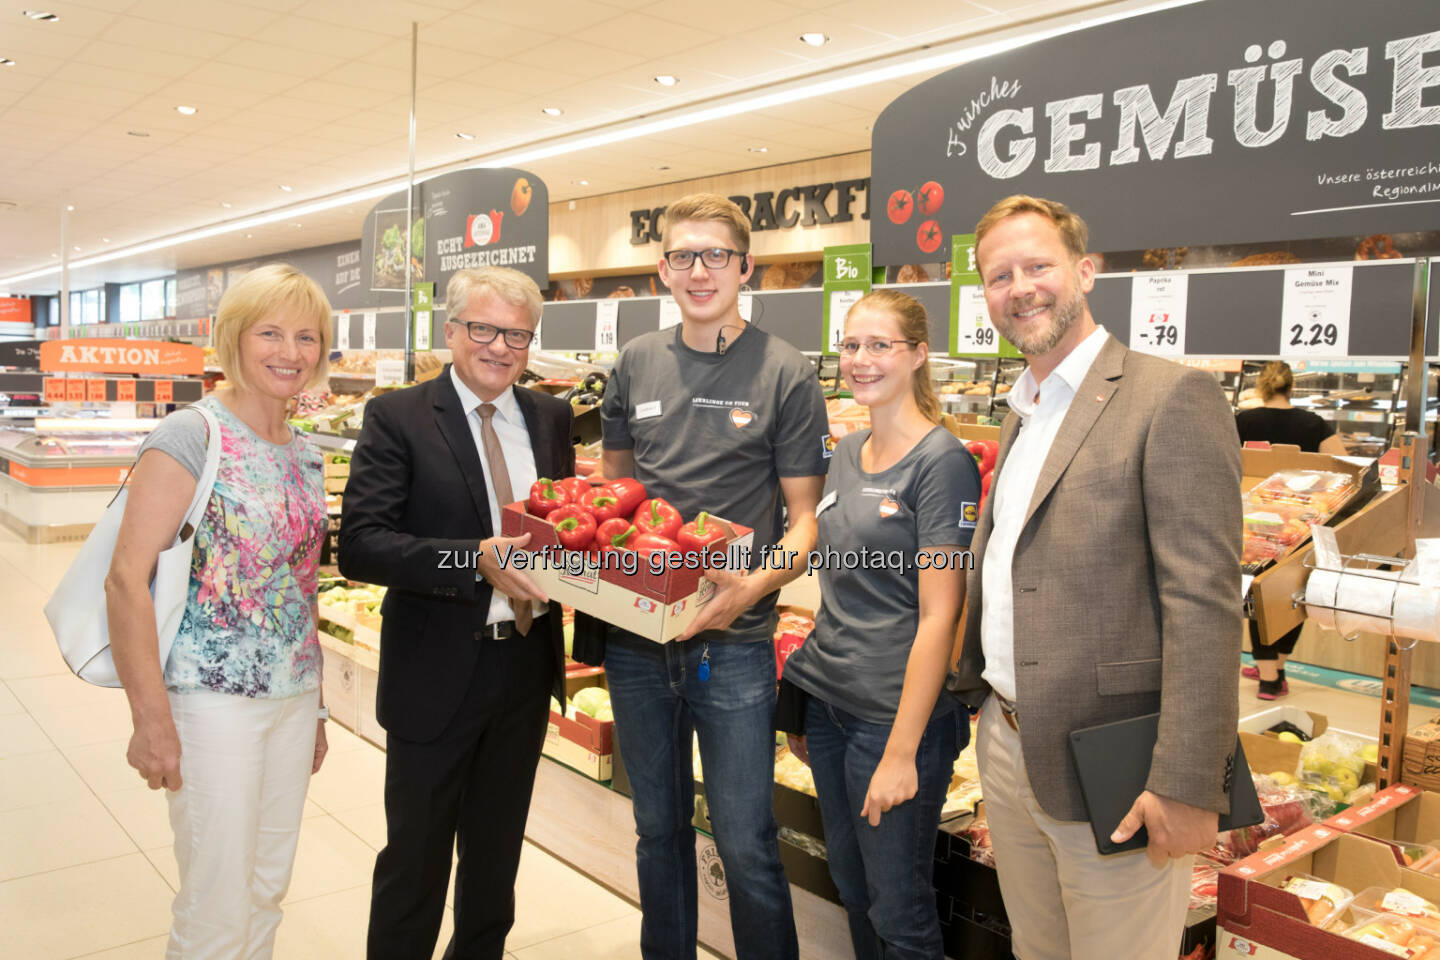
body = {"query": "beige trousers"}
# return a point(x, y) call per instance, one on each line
point(1065, 900)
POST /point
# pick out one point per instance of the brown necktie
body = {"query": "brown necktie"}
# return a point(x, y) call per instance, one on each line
point(500, 477)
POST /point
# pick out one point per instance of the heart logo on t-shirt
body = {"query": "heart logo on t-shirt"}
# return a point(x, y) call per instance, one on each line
point(741, 418)
point(888, 507)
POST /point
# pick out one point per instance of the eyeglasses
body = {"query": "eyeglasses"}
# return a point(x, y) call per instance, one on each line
point(876, 348)
point(715, 258)
point(516, 338)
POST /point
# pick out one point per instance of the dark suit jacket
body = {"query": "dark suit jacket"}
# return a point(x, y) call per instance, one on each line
point(1126, 581)
point(415, 510)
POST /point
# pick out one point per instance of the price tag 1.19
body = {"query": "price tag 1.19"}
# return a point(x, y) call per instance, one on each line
point(607, 324)
point(1157, 313)
point(974, 333)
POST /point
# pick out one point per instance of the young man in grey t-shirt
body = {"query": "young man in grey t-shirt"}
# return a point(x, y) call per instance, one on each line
point(712, 415)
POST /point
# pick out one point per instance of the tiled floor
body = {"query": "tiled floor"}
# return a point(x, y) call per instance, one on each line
point(85, 863)
point(86, 868)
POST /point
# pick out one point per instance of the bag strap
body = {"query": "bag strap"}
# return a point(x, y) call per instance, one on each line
point(206, 483)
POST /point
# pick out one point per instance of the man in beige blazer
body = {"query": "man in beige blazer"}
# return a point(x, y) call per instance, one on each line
point(1107, 586)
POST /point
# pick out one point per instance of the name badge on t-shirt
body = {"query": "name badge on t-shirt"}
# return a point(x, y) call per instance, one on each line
point(826, 502)
point(644, 411)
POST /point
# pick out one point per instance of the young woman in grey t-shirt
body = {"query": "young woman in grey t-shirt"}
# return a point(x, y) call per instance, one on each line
point(898, 511)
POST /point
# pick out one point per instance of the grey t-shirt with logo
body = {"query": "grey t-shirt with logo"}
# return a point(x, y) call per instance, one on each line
point(716, 432)
point(871, 527)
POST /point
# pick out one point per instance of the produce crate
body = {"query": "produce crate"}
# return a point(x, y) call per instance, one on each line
point(655, 605)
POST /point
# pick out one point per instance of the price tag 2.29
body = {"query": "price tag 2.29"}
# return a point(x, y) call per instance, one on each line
point(974, 333)
point(1315, 312)
point(1157, 313)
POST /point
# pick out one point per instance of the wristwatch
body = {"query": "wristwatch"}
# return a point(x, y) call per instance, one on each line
point(323, 714)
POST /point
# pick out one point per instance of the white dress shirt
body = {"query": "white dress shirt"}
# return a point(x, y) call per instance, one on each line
point(514, 437)
point(1041, 412)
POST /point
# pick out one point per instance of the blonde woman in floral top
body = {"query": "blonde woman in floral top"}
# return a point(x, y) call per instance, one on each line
point(231, 724)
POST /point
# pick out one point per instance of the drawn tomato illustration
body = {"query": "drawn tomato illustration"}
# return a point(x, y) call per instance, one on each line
point(928, 237)
point(900, 207)
point(929, 198)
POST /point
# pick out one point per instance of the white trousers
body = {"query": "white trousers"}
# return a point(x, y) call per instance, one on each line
point(1066, 901)
point(245, 766)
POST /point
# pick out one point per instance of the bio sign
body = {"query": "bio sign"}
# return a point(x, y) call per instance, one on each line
point(1289, 119)
point(473, 218)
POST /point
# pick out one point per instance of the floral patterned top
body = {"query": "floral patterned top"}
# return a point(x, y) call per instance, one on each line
point(248, 629)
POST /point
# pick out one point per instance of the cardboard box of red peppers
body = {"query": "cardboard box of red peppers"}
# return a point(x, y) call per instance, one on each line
point(620, 556)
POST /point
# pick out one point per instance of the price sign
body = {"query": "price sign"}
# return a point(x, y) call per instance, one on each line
point(75, 390)
point(1157, 313)
point(54, 389)
point(1315, 312)
point(369, 330)
point(342, 332)
point(840, 303)
point(125, 391)
point(745, 305)
point(95, 391)
point(973, 332)
point(389, 372)
point(422, 329)
point(164, 391)
point(607, 324)
point(669, 312)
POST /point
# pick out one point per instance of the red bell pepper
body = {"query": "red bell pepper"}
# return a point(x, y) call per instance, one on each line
point(984, 453)
point(651, 543)
point(630, 492)
point(545, 497)
point(700, 535)
point(602, 504)
point(574, 487)
point(658, 516)
point(573, 526)
point(614, 535)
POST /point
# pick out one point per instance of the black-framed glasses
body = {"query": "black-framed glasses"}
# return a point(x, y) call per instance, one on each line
point(516, 338)
point(714, 258)
point(876, 348)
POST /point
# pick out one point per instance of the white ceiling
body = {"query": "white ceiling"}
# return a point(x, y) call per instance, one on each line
point(314, 94)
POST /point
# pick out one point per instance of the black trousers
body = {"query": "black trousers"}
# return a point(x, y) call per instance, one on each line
point(468, 790)
point(1272, 651)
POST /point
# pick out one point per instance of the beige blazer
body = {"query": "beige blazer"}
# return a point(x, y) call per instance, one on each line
point(1127, 581)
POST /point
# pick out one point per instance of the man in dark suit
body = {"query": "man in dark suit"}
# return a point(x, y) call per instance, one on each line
point(470, 652)
point(1107, 586)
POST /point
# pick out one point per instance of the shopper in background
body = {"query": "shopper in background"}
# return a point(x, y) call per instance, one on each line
point(880, 740)
point(1279, 422)
point(470, 653)
point(228, 724)
point(713, 415)
point(1106, 588)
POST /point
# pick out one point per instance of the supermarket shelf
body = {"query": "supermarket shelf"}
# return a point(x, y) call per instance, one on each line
point(369, 659)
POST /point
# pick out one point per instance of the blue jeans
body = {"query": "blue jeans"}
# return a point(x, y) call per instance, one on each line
point(658, 701)
point(885, 873)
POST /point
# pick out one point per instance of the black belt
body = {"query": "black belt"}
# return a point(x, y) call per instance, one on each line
point(1008, 711)
point(504, 629)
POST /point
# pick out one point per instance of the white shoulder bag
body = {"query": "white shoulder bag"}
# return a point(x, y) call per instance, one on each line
point(76, 610)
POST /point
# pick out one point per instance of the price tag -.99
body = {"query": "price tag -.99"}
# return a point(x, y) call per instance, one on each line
point(974, 333)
